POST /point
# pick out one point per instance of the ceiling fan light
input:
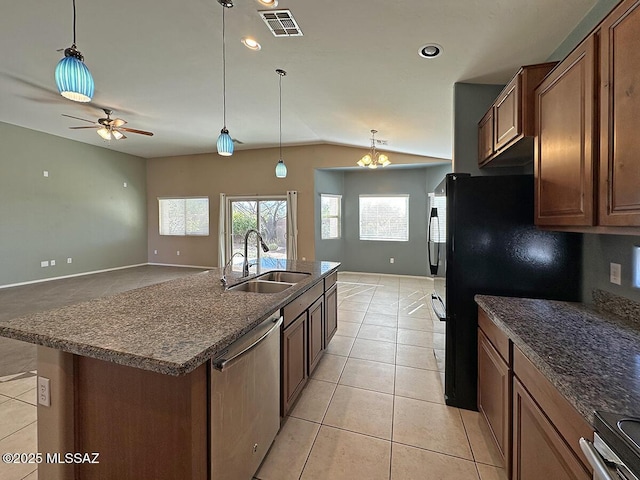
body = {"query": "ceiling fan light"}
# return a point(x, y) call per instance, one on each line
point(225, 143)
point(281, 169)
point(104, 133)
point(74, 80)
point(116, 134)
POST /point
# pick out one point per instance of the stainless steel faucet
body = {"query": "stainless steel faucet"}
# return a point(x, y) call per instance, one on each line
point(265, 248)
point(223, 280)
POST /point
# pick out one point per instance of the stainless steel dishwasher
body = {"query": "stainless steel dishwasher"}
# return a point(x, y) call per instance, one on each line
point(245, 402)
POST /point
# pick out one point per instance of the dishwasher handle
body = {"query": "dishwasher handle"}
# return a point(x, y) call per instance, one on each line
point(600, 469)
point(221, 363)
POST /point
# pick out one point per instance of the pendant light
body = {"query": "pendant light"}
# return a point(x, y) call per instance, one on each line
point(374, 159)
point(73, 78)
point(281, 168)
point(224, 143)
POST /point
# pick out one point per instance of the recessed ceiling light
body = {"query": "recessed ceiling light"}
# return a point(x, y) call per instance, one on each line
point(430, 50)
point(250, 43)
point(269, 3)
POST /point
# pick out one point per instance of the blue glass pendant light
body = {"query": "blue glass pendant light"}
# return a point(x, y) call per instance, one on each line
point(73, 78)
point(281, 168)
point(224, 143)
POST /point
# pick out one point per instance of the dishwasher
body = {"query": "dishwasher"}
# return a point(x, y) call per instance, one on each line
point(245, 402)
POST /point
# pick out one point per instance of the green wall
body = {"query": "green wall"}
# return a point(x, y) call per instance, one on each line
point(81, 210)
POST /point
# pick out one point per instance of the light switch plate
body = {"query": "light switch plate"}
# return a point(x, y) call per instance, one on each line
point(615, 273)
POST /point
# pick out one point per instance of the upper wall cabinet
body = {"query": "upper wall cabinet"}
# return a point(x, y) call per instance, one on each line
point(505, 132)
point(587, 167)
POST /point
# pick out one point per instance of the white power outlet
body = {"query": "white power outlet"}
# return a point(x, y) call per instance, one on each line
point(615, 273)
point(45, 173)
point(69, 260)
point(391, 260)
point(124, 184)
point(178, 252)
point(155, 252)
point(52, 263)
point(44, 392)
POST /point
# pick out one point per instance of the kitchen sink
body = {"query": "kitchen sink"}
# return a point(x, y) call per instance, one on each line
point(261, 286)
point(284, 276)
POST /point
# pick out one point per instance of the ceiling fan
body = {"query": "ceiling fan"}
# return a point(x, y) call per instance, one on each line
point(108, 127)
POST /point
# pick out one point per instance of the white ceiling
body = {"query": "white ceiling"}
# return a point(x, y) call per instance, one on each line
point(157, 64)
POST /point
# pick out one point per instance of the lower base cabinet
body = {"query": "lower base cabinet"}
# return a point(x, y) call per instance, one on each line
point(316, 331)
point(294, 361)
point(331, 313)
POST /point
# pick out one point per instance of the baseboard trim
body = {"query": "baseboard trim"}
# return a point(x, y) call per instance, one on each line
point(176, 265)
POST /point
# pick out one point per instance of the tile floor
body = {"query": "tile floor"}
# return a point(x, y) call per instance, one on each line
point(374, 406)
point(372, 409)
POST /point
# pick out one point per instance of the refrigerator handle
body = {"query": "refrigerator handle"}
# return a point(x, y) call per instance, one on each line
point(433, 267)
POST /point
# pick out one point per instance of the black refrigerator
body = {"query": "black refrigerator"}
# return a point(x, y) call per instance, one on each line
point(492, 247)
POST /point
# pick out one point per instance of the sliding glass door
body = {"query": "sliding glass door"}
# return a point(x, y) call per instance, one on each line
point(268, 215)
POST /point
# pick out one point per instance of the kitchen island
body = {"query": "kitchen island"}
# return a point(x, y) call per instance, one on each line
point(129, 373)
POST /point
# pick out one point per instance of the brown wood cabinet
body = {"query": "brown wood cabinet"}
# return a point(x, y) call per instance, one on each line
point(586, 162)
point(619, 115)
point(539, 452)
point(331, 313)
point(294, 361)
point(505, 132)
point(316, 333)
point(564, 147)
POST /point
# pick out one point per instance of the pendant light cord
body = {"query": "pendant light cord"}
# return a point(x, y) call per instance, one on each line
point(74, 23)
point(280, 116)
point(224, 75)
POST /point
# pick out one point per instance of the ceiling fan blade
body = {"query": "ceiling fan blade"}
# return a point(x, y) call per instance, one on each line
point(78, 128)
point(118, 122)
point(133, 130)
point(78, 118)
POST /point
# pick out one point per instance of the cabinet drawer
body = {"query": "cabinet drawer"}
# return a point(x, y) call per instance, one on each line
point(330, 280)
point(300, 304)
point(496, 336)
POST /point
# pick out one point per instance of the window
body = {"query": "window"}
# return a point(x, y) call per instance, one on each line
point(439, 227)
point(331, 214)
point(268, 215)
point(184, 216)
point(384, 218)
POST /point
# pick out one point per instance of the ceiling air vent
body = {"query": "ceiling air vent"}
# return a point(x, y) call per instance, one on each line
point(281, 23)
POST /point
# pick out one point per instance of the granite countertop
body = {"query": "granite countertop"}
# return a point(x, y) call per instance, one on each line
point(592, 357)
point(171, 327)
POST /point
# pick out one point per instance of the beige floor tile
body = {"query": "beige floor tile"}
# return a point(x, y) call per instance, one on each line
point(385, 295)
point(419, 384)
point(329, 368)
point(361, 411)
point(348, 304)
point(483, 445)
point(369, 375)
point(4, 399)
point(314, 401)
point(410, 463)
point(416, 357)
point(30, 397)
point(372, 350)
point(289, 451)
point(381, 319)
point(348, 329)
point(340, 345)
point(32, 476)
point(377, 332)
point(489, 472)
point(13, 388)
point(385, 309)
point(15, 415)
point(415, 337)
point(430, 425)
point(24, 440)
point(419, 309)
point(350, 316)
point(412, 323)
point(341, 455)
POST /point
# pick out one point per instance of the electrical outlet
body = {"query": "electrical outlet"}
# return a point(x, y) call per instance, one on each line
point(178, 252)
point(391, 260)
point(45, 173)
point(69, 260)
point(44, 392)
point(615, 273)
point(125, 184)
point(155, 252)
point(44, 263)
point(52, 263)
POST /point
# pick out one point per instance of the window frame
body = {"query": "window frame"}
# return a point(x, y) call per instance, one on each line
point(406, 196)
point(186, 233)
point(338, 216)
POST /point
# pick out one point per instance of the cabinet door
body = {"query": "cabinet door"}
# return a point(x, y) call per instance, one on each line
point(485, 137)
point(539, 452)
point(508, 123)
point(331, 314)
point(294, 361)
point(493, 393)
point(564, 146)
point(619, 113)
point(316, 331)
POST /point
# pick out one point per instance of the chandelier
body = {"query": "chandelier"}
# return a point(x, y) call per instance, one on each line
point(373, 159)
